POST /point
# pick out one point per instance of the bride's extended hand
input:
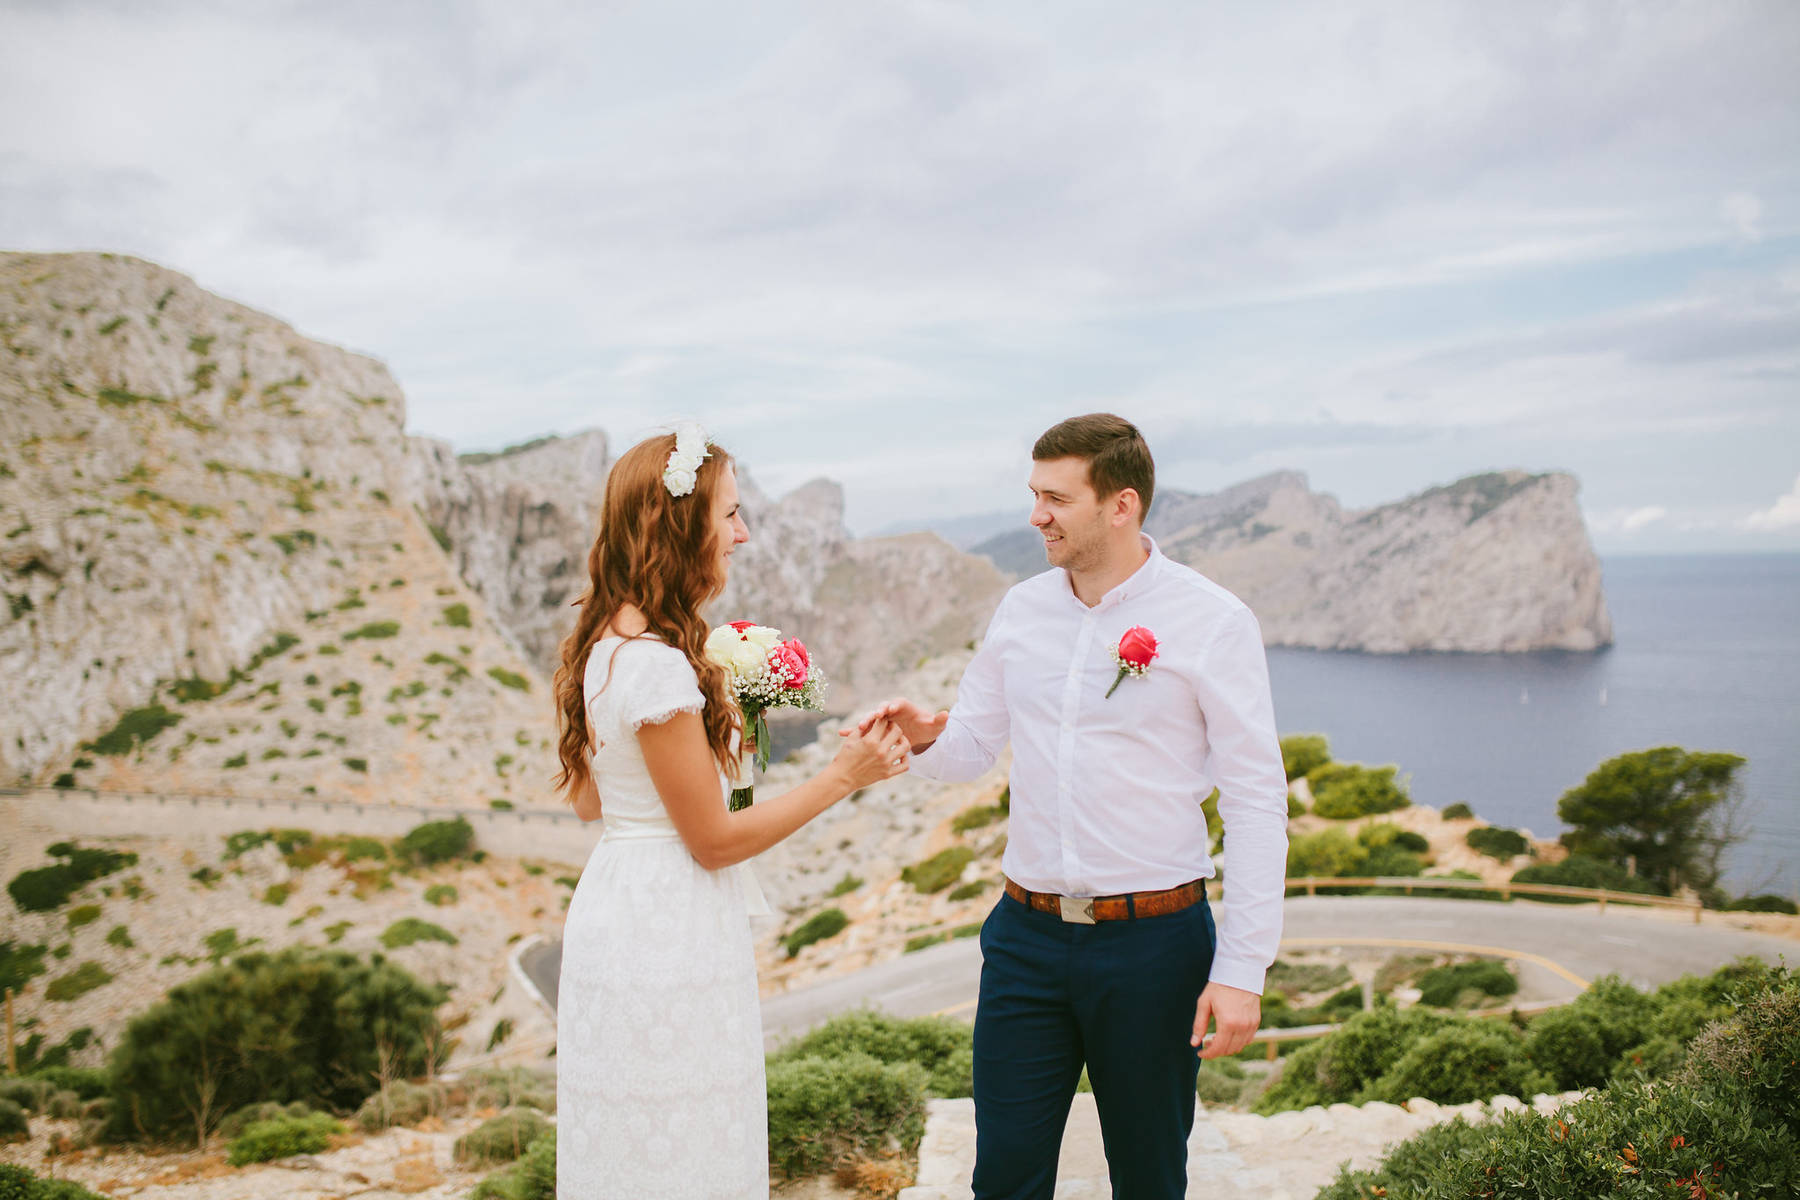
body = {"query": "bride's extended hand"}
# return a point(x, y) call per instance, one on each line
point(880, 753)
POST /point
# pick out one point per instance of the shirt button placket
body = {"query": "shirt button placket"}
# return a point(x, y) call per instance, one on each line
point(1073, 874)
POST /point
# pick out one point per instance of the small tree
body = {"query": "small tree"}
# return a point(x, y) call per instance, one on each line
point(1672, 811)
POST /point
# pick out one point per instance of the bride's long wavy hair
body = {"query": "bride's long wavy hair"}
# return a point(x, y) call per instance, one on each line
point(656, 551)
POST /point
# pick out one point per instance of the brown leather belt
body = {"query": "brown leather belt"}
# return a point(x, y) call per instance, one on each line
point(1085, 910)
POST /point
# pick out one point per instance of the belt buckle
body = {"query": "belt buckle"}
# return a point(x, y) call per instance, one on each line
point(1077, 910)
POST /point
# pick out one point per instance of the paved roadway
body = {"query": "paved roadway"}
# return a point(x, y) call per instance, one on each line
point(1567, 946)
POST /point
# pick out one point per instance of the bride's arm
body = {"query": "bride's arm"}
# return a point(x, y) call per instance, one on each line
point(586, 800)
point(687, 778)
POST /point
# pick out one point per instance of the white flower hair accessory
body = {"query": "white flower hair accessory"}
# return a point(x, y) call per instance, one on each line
point(684, 461)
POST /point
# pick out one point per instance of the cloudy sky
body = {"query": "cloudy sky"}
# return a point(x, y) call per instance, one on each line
point(1388, 244)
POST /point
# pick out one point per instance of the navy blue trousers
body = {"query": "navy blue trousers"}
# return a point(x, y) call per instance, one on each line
point(1116, 996)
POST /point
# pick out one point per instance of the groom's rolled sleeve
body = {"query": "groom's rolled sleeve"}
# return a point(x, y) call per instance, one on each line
point(1244, 760)
point(979, 725)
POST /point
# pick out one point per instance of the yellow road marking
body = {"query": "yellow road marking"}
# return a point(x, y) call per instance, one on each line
point(1313, 943)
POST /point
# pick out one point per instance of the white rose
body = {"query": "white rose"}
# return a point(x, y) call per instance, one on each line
point(720, 644)
point(748, 658)
point(679, 480)
point(764, 637)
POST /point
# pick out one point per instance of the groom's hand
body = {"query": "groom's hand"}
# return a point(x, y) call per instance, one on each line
point(920, 726)
point(1237, 1013)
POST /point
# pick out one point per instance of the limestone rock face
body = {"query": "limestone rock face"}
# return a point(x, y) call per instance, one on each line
point(207, 529)
point(1499, 562)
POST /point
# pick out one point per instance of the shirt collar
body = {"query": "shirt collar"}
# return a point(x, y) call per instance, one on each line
point(1135, 584)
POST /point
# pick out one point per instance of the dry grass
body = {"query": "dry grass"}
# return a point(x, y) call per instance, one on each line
point(879, 1179)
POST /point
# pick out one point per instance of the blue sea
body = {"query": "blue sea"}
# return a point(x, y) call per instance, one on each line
point(1706, 655)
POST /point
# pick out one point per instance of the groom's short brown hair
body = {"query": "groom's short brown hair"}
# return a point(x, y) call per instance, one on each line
point(1113, 449)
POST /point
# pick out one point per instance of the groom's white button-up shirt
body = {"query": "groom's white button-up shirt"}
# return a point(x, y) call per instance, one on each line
point(1106, 793)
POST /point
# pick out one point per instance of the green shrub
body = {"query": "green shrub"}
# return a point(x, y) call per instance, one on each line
point(533, 1177)
point(283, 1137)
point(924, 941)
point(17, 1183)
point(1391, 860)
point(437, 841)
point(825, 1111)
point(1458, 812)
point(409, 930)
point(970, 890)
point(975, 817)
point(374, 630)
point(944, 1047)
point(826, 923)
point(1303, 753)
point(303, 1024)
point(84, 914)
point(1220, 1081)
point(1345, 790)
point(849, 883)
point(1296, 806)
point(19, 963)
point(29, 1094)
point(456, 616)
point(1296, 978)
point(364, 847)
point(1468, 1061)
point(13, 1125)
point(939, 871)
point(235, 1123)
point(80, 981)
point(1445, 986)
point(135, 728)
point(1496, 841)
point(503, 1138)
point(1580, 871)
point(86, 1082)
point(1767, 903)
point(441, 894)
point(511, 1087)
point(1328, 853)
point(44, 889)
point(120, 937)
point(511, 679)
point(1349, 1063)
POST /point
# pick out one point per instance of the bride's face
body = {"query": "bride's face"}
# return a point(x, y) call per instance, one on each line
point(728, 528)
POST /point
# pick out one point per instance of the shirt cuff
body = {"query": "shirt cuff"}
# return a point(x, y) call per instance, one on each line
point(1233, 971)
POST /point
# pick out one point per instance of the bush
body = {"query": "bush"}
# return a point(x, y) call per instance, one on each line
point(1304, 753)
point(1458, 812)
point(819, 926)
point(939, 871)
point(533, 1177)
point(437, 841)
point(511, 1087)
point(943, 1047)
point(1766, 903)
point(80, 981)
point(1348, 1064)
point(1496, 841)
point(1469, 1061)
point(456, 616)
point(45, 889)
point(826, 1111)
point(410, 930)
point(1345, 790)
point(1579, 871)
point(1296, 806)
point(1442, 987)
point(503, 1138)
point(1220, 1081)
point(13, 1125)
point(85, 914)
point(401, 1103)
point(135, 728)
point(843, 887)
point(969, 890)
point(234, 1125)
point(358, 848)
point(283, 1137)
point(976, 816)
point(511, 679)
point(1330, 852)
point(20, 963)
point(17, 1183)
point(1564, 1045)
point(440, 894)
point(374, 630)
point(303, 1024)
point(85, 1082)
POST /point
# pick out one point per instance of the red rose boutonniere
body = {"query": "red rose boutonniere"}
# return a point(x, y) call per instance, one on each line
point(1133, 654)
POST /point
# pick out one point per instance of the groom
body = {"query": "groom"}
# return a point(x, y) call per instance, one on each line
point(1102, 951)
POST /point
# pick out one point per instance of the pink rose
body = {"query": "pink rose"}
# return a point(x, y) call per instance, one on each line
point(789, 663)
point(1137, 647)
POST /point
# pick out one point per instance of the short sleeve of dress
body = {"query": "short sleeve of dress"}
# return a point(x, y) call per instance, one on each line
point(658, 682)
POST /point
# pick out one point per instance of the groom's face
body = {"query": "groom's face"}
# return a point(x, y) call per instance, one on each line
point(1067, 513)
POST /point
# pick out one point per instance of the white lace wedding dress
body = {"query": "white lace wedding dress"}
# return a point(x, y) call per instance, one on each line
point(659, 1079)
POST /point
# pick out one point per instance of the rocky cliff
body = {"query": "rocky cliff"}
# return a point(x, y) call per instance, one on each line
point(1499, 562)
point(216, 578)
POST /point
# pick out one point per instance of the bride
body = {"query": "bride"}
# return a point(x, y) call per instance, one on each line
point(660, 1090)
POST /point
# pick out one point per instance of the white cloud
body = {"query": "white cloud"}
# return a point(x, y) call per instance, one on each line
point(1628, 520)
point(1743, 212)
point(1783, 514)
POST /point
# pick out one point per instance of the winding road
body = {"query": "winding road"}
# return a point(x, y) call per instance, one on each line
point(1564, 948)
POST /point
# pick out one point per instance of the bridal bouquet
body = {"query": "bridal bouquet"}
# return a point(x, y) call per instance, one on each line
point(765, 672)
